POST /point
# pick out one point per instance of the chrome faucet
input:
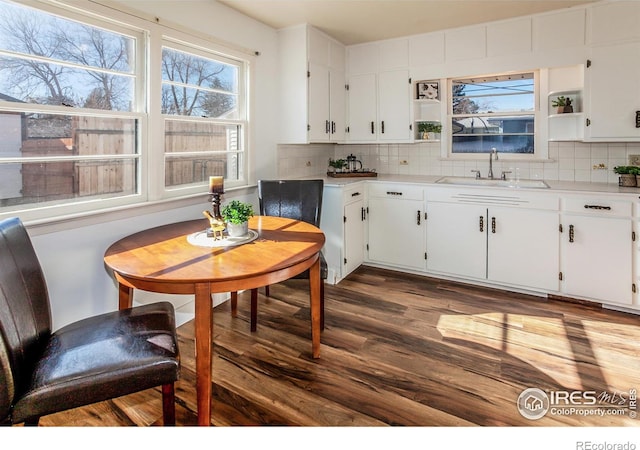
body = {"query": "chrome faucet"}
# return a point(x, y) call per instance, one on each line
point(493, 152)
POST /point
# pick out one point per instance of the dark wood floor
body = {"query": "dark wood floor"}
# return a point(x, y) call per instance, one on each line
point(397, 350)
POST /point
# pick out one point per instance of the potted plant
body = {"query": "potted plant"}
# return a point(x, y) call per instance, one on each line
point(236, 214)
point(560, 103)
point(428, 130)
point(627, 175)
point(337, 165)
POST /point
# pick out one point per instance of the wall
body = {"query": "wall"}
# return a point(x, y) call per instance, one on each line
point(71, 252)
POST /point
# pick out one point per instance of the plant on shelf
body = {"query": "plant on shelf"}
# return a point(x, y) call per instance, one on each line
point(627, 175)
point(428, 130)
point(236, 214)
point(563, 104)
point(337, 164)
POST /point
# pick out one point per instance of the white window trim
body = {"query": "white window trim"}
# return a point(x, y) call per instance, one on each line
point(541, 149)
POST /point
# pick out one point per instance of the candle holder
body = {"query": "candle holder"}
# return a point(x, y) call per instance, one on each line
point(215, 219)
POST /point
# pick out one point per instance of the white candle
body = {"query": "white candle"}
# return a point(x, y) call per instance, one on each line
point(216, 185)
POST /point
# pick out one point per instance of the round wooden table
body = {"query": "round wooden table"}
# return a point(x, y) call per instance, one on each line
point(163, 260)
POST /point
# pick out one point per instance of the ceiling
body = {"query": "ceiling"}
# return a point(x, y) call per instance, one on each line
point(357, 21)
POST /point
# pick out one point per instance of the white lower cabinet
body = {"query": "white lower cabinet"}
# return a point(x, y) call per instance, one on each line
point(343, 222)
point(576, 245)
point(596, 250)
point(396, 225)
point(513, 246)
point(457, 239)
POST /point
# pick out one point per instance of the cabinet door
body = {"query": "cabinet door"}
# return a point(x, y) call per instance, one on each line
point(394, 105)
point(596, 255)
point(396, 232)
point(362, 107)
point(457, 239)
point(337, 105)
point(318, 91)
point(353, 236)
point(523, 247)
point(613, 105)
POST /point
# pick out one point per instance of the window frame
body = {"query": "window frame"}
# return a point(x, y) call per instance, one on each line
point(540, 151)
point(150, 37)
point(177, 41)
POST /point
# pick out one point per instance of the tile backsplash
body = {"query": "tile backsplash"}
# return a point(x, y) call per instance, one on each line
point(568, 161)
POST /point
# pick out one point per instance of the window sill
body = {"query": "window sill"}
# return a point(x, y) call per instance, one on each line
point(79, 220)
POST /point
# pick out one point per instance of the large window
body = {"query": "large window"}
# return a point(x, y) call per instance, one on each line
point(69, 122)
point(493, 112)
point(203, 117)
point(99, 109)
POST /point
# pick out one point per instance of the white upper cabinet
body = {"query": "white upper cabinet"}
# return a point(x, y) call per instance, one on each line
point(612, 106)
point(312, 86)
point(394, 110)
point(559, 30)
point(510, 37)
point(362, 59)
point(615, 21)
point(426, 50)
point(379, 95)
point(393, 54)
point(466, 43)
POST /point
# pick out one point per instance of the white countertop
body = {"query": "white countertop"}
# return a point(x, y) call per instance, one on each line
point(554, 186)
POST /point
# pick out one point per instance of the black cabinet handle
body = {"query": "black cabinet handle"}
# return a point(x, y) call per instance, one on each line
point(372, 129)
point(418, 217)
point(382, 127)
point(607, 208)
point(333, 127)
point(326, 126)
point(493, 225)
point(393, 193)
point(571, 233)
point(481, 224)
point(355, 194)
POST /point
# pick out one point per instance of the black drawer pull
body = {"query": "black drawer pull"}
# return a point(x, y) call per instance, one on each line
point(608, 208)
point(355, 194)
point(393, 193)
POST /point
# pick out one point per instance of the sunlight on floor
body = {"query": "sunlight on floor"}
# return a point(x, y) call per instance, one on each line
point(541, 342)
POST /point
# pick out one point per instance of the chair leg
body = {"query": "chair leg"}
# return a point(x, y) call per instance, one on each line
point(234, 303)
point(266, 290)
point(33, 422)
point(168, 404)
point(322, 304)
point(254, 309)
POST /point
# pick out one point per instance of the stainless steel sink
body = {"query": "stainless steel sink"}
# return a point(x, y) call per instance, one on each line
point(468, 181)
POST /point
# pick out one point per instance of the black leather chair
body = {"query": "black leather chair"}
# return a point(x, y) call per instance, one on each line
point(95, 359)
point(294, 199)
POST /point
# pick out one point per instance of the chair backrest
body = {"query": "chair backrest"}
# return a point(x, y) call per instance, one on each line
point(294, 199)
point(25, 314)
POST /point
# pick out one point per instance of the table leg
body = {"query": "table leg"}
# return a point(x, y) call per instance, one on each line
point(204, 337)
point(314, 288)
point(125, 296)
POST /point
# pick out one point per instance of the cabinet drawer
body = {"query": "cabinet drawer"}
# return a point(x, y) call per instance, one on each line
point(400, 191)
point(600, 206)
point(353, 193)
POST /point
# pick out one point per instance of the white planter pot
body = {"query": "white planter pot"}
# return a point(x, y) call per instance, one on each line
point(237, 229)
